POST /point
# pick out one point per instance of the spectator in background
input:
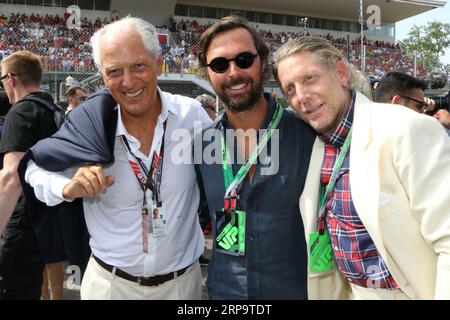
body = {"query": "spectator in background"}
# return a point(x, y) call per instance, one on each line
point(115, 16)
point(209, 104)
point(401, 88)
point(21, 264)
point(75, 95)
point(70, 225)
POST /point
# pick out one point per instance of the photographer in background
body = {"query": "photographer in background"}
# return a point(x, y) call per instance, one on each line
point(401, 88)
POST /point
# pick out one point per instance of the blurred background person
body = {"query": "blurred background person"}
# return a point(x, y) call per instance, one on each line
point(70, 223)
point(209, 104)
point(401, 88)
point(75, 95)
point(30, 119)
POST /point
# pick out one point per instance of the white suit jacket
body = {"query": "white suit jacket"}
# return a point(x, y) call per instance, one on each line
point(400, 185)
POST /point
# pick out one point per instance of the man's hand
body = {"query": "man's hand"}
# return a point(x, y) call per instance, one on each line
point(429, 109)
point(89, 180)
point(444, 117)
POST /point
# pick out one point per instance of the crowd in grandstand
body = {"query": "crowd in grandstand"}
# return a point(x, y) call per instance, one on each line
point(64, 49)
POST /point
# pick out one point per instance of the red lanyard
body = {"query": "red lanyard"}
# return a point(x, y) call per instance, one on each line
point(148, 180)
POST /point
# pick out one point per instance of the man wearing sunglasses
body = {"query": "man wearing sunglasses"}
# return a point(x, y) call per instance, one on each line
point(75, 95)
point(401, 88)
point(252, 191)
point(27, 122)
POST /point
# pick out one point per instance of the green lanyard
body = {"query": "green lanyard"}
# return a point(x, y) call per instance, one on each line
point(233, 183)
point(330, 186)
point(321, 252)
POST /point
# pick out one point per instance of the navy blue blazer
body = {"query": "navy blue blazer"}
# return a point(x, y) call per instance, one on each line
point(86, 137)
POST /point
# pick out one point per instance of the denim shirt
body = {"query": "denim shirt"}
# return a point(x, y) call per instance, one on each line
point(275, 261)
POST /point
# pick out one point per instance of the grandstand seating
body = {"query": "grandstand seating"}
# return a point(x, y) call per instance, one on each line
point(68, 50)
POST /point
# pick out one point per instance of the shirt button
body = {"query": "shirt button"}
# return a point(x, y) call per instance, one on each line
point(252, 237)
point(336, 248)
point(331, 215)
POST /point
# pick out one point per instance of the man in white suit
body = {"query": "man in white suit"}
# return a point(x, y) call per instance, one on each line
point(376, 203)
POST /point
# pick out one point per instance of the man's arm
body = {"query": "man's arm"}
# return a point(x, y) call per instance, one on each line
point(56, 187)
point(10, 188)
point(423, 164)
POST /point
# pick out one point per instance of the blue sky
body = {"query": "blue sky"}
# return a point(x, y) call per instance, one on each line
point(441, 14)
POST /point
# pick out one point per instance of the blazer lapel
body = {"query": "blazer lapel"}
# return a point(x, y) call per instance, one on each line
point(309, 200)
point(364, 171)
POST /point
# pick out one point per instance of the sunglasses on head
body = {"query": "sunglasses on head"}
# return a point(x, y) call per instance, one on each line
point(243, 60)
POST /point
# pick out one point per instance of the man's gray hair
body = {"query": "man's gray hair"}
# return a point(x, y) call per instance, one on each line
point(207, 101)
point(323, 50)
point(144, 28)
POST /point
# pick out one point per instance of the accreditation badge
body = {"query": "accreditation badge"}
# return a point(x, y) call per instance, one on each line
point(230, 232)
point(158, 222)
point(320, 253)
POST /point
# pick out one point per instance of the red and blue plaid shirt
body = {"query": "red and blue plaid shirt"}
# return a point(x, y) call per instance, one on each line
point(354, 250)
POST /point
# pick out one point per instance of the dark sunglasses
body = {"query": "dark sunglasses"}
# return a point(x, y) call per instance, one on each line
point(422, 104)
point(243, 60)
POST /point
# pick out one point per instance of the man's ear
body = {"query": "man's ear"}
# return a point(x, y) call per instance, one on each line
point(13, 81)
point(396, 99)
point(342, 73)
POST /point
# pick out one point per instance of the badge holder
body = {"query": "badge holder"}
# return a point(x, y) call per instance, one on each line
point(230, 232)
point(158, 222)
point(321, 252)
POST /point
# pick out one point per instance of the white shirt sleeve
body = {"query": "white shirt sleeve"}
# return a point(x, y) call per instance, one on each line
point(48, 186)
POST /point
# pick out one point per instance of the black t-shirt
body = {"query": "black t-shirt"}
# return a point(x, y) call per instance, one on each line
point(26, 123)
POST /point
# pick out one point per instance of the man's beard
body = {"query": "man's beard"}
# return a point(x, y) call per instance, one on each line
point(241, 102)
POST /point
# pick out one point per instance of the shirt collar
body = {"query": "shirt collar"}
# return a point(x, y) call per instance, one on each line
point(339, 135)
